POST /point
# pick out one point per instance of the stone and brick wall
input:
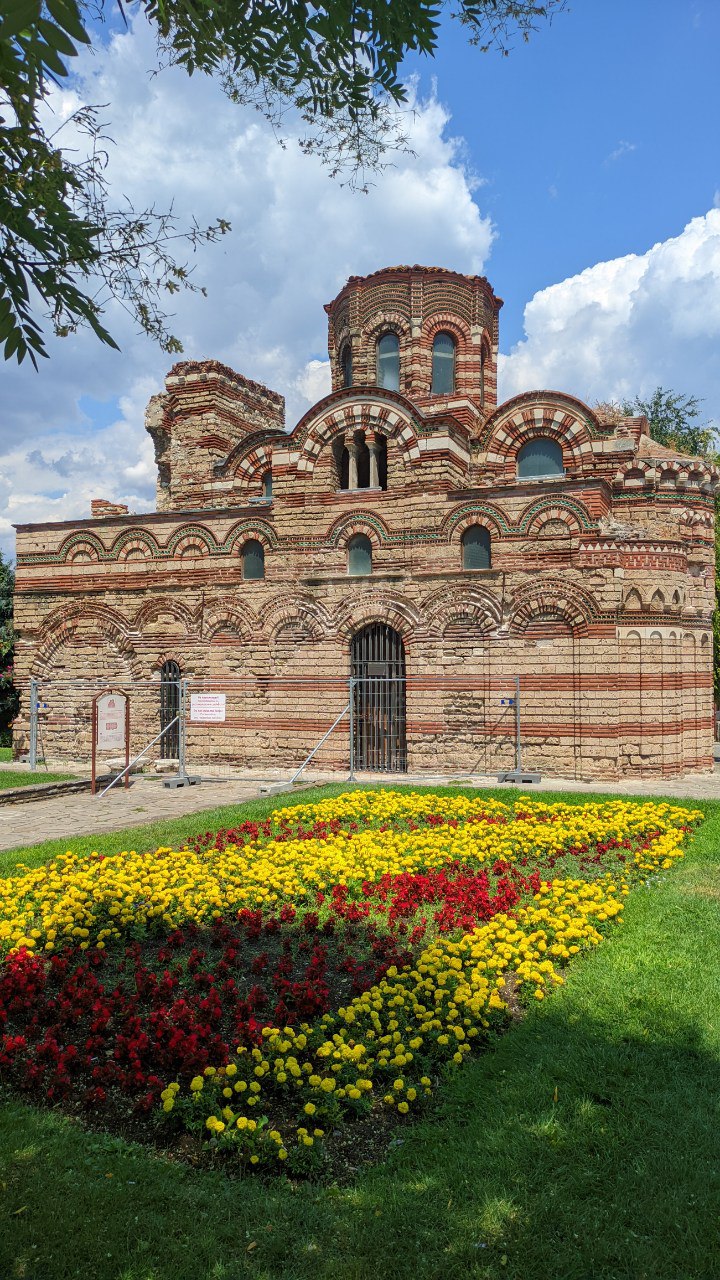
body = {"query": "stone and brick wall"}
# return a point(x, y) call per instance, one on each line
point(599, 594)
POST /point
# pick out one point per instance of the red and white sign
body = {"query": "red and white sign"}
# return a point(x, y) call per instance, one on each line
point(111, 719)
point(207, 708)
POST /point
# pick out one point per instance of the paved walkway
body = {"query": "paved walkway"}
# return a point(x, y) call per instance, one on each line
point(147, 800)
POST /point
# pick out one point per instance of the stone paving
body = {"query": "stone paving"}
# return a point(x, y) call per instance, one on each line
point(147, 800)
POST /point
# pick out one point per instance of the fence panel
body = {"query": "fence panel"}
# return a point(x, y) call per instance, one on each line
point(266, 727)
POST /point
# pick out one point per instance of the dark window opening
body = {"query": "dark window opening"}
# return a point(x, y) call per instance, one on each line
point(267, 485)
point(346, 365)
point(476, 548)
point(443, 365)
point(388, 362)
point(540, 457)
point(253, 560)
point(359, 556)
point(363, 465)
point(382, 463)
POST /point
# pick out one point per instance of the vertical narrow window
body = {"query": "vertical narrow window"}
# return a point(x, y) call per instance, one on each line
point(383, 463)
point(540, 457)
point(443, 365)
point(377, 446)
point(346, 365)
point(359, 556)
point(170, 676)
point(476, 548)
point(253, 560)
point(482, 375)
point(267, 485)
point(388, 362)
point(363, 464)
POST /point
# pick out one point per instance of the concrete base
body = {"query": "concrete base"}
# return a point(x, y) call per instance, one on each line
point(521, 777)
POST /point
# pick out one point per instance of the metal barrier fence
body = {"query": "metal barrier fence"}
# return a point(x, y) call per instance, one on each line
point(280, 726)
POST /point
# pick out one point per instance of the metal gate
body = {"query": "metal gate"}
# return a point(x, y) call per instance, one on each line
point(378, 666)
point(169, 710)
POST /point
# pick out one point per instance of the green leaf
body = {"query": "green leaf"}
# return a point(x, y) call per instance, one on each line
point(56, 38)
point(18, 17)
point(67, 16)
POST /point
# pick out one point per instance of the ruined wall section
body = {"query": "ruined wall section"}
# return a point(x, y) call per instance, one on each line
point(207, 411)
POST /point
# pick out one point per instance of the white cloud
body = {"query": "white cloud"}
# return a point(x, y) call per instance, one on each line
point(296, 237)
point(624, 327)
point(623, 148)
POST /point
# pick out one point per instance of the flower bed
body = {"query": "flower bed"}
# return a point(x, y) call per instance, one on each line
point(268, 984)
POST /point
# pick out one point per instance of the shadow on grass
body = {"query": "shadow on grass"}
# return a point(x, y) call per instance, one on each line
point(620, 1177)
point(617, 1179)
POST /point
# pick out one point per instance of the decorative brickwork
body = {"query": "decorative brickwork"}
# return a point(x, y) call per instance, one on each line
point(598, 593)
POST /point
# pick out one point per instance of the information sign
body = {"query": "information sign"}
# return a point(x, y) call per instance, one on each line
point(111, 722)
point(207, 708)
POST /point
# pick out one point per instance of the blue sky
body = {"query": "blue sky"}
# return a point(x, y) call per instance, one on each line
point(595, 139)
point(581, 174)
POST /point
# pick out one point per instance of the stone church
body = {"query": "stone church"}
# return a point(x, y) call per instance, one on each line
point(409, 532)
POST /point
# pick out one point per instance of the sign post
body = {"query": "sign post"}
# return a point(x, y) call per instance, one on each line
point(110, 728)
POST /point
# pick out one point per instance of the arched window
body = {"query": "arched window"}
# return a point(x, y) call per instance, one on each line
point(267, 485)
point(346, 365)
point(253, 560)
point(388, 362)
point(476, 548)
point(483, 355)
point(443, 365)
point(359, 556)
point(540, 457)
point(170, 676)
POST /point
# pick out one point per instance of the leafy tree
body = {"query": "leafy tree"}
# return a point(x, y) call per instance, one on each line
point(9, 699)
point(673, 422)
point(65, 252)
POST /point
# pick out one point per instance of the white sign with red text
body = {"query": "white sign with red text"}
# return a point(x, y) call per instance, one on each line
point(207, 708)
point(111, 722)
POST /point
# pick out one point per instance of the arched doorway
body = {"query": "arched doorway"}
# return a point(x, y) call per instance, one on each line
point(377, 662)
point(169, 709)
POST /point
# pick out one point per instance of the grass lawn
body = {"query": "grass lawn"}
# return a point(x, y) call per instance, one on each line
point(170, 833)
point(11, 778)
point(586, 1144)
